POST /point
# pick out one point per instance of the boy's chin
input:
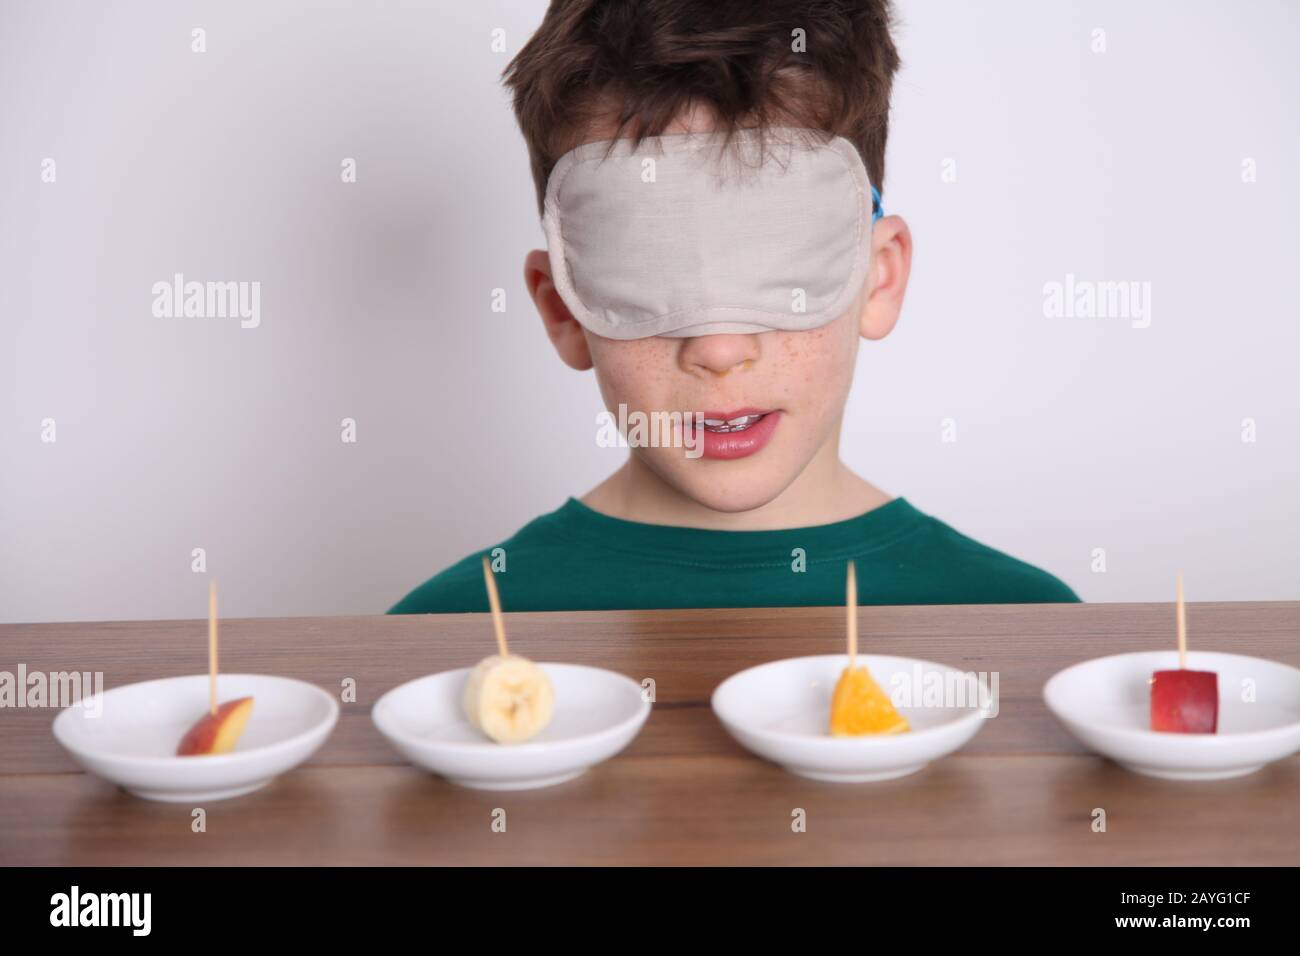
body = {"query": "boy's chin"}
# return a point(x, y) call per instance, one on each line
point(729, 487)
point(732, 503)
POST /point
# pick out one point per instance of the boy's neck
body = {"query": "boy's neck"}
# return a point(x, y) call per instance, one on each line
point(826, 491)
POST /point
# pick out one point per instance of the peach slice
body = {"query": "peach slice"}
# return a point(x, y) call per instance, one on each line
point(859, 706)
point(217, 733)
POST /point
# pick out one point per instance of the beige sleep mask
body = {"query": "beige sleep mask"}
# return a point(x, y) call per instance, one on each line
point(680, 236)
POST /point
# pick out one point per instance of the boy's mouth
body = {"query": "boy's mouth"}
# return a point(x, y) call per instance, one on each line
point(718, 424)
point(738, 433)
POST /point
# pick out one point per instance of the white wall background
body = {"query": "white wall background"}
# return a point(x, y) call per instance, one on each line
point(1073, 434)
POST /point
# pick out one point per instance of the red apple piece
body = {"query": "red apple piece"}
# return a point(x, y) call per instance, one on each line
point(217, 733)
point(1185, 702)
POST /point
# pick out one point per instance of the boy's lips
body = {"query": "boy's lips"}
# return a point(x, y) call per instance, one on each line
point(737, 433)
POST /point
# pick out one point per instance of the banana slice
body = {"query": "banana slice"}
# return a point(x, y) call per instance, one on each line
point(509, 698)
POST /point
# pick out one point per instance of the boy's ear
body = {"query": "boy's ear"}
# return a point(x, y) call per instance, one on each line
point(891, 263)
point(561, 327)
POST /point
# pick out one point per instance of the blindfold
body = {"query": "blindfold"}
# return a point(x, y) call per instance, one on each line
point(688, 235)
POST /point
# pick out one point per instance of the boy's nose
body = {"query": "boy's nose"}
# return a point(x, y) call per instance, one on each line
point(719, 354)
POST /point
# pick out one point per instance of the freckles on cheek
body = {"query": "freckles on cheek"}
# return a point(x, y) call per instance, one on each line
point(630, 369)
point(816, 358)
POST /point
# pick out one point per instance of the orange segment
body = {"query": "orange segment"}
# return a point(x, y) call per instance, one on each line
point(859, 706)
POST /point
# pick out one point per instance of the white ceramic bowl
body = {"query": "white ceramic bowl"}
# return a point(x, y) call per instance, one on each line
point(132, 742)
point(597, 714)
point(780, 711)
point(1106, 704)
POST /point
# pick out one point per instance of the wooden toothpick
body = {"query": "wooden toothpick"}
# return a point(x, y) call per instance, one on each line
point(212, 647)
point(851, 600)
point(1182, 626)
point(495, 600)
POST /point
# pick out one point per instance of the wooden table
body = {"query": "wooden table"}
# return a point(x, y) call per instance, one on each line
point(1022, 792)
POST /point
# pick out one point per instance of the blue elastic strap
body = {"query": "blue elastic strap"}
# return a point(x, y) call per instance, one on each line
point(877, 207)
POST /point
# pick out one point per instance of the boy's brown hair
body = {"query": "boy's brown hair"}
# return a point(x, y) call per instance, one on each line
point(645, 62)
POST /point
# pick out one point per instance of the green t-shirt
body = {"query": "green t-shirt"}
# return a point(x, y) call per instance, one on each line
point(577, 559)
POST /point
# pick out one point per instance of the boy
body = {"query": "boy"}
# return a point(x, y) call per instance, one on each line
point(709, 176)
